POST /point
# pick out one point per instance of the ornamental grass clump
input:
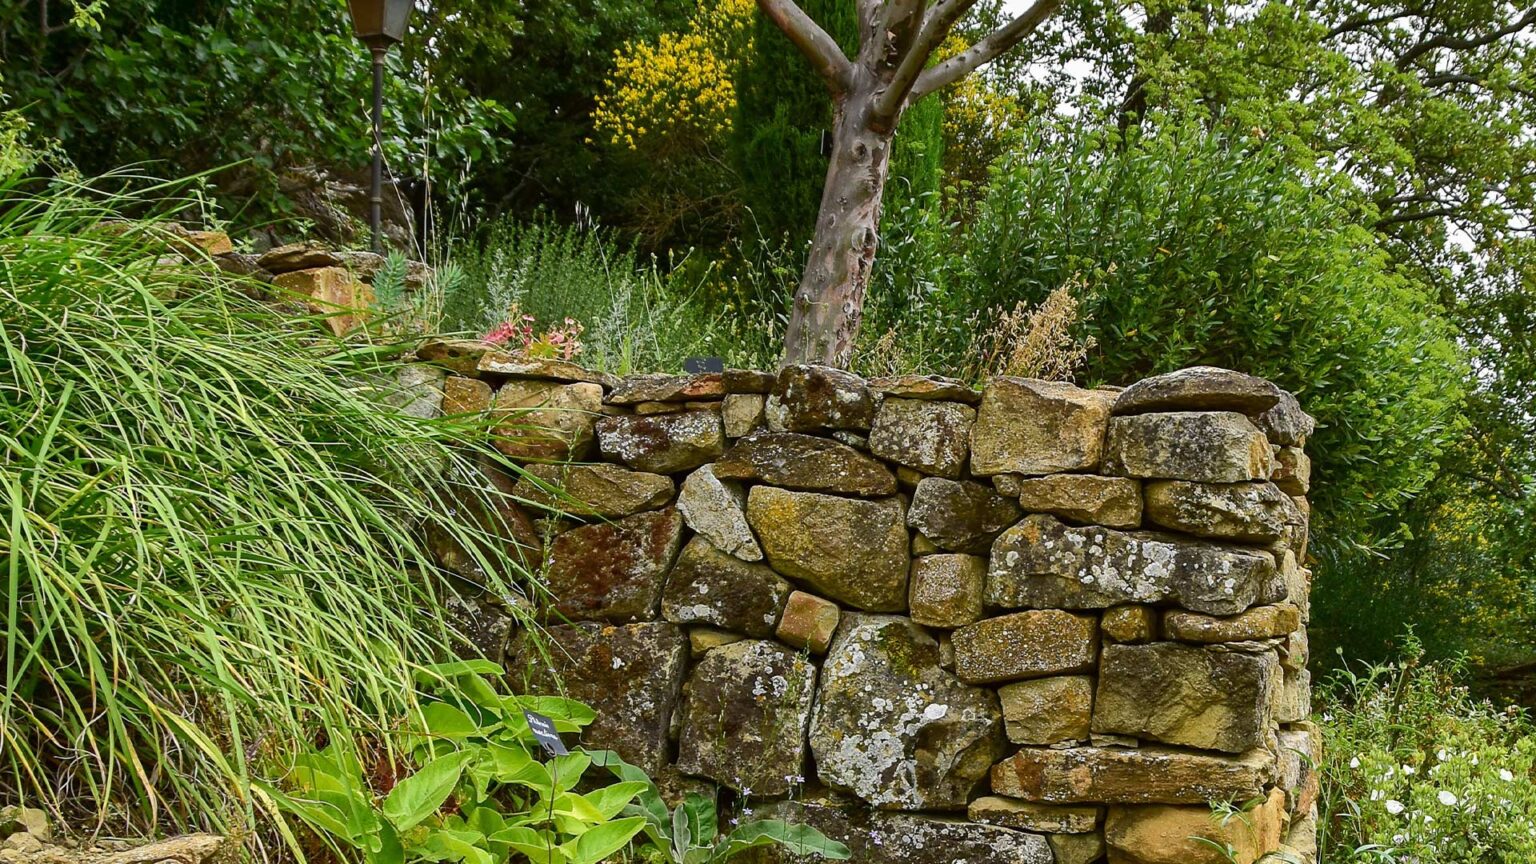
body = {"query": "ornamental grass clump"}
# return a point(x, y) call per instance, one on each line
point(213, 527)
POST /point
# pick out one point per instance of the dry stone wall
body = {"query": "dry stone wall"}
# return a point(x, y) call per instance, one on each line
point(1030, 624)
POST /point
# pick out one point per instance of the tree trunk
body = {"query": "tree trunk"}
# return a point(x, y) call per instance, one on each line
point(828, 304)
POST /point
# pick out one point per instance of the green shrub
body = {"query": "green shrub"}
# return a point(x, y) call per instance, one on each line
point(213, 541)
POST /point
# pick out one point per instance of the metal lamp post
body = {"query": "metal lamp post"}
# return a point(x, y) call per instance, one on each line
point(379, 24)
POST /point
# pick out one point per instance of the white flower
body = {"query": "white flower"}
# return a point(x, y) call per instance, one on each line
point(1506, 775)
point(1408, 770)
point(1377, 794)
point(1441, 755)
point(1447, 798)
point(1355, 762)
point(1394, 806)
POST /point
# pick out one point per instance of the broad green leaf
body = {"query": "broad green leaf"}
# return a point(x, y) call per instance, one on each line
point(389, 850)
point(421, 794)
point(799, 838)
point(610, 800)
point(441, 720)
point(603, 840)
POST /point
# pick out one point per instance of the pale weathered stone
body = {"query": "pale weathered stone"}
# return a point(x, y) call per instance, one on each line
point(1186, 695)
point(1131, 625)
point(1249, 512)
point(959, 515)
point(462, 396)
point(747, 381)
point(932, 387)
point(1041, 563)
point(665, 443)
point(605, 491)
point(1146, 775)
point(852, 551)
point(702, 639)
point(1034, 427)
point(1170, 835)
point(893, 728)
point(1293, 470)
point(666, 388)
point(707, 586)
point(717, 509)
point(1299, 765)
point(1026, 645)
point(1047, 711)
point(332, 292)
point(546, 419)
point(897, 838)
point(1114, 502)
point(946, 590)
point(742, 413)
point(461, 356)
point(1260, 622)
point(482, 628)
point(613, 571)
point(746, 713)
point(1295, 650)
point(412, 389)
point(1199, 388)
point(1293, 698)
point(808, 398)
point(1077, 848)
point(807, 463)
point(931, 437)
point(808, 622)
point(502, 365)
point(645, 409)
point(853, 439)
point(1205, 446)
point(1286, 424)
point(1032, 816)
point(297, 256)
point(630, 676)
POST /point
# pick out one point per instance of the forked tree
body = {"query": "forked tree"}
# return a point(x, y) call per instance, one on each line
point(897, 39)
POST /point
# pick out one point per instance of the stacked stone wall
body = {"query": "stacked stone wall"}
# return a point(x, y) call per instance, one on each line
point(1032, 623)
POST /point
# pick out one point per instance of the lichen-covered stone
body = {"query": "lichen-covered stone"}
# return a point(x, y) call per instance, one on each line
point(807, 398)
point(898, 838)
point(807, 463)
point(717, 509)
point(501, 365)
point(931, 387)
point(465, 395)
point(1299, 765)
point(1026, 645)
point(959, 515)
point(605, 491)
point(613, 571)
point(893, 728)
point(1032, 816)
point(1047, 711)
point(666, 388)
point(947, 589)
point(499, 529)
point(663, 443)
point(1293, 471)
point(646, 409)
point(742, 413)
point(1293, 696)
point(852, 551)
point(1034, 427)
point(1077, 848)
point(1286, 424)
point(744, 727)
point(1041, 563)
point(1186, 695)
point(413, 389)
point(1114, 502)
point(747, 381)
point(482, 629)
point(546, 419)
point(707, 586)
point(1199, 388)
point(1204, 446)
point(931, 437)
point(1171, 835)
point(1260, 622)
point(1131, 624)
point(461, 356)
point(631, 676)
point(1249, 512)
point(1144, 775)
point(808, 622)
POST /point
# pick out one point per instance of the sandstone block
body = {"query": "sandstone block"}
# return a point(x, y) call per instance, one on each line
point(1114, 502)
point(1132, 625)
point(947, 590)
point(744, 725)
point(1293, 698)
point(664, 443)
point(1167, 835)
point(1293, 471)
point(806, 463)
point(1199, 388)
point(1041, 563)
point(465, 395)
point(546, 419)
point(707, 586)
point(1185, 695)
point(747, 381)
point(631, 676)
point(807, 398)
point(460, 356)
point(613, 571)
point(717, 510)
point(1145, 775)
point(958, 515)
point(500, 365)
point(742, 413)
point(1077, 848)
point(899, 838)
point(666, 388)
point(1204, 446)
point(931, 387)
point(1260, 622)
point(605, 491)
point(334, 292)
point(808, 622)
point(852, 551)
point(931, 437)
point(298, 256)
point(1047, 711)
point(1248, 512)
point(1026, 645)
point(893, 728)
point(1031, 816)
point(1034, 427)
point(1286, 424)
point(1299, 766)
point(702, 639)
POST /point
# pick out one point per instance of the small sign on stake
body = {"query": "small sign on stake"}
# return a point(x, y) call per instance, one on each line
point(543, 730)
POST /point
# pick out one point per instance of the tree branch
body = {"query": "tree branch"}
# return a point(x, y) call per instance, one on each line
point(941, 19)
point(1458, 43)
point(985, 51)
point(819, 48)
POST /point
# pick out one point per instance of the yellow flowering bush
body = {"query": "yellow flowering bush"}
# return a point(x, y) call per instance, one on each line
point(682, 86)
